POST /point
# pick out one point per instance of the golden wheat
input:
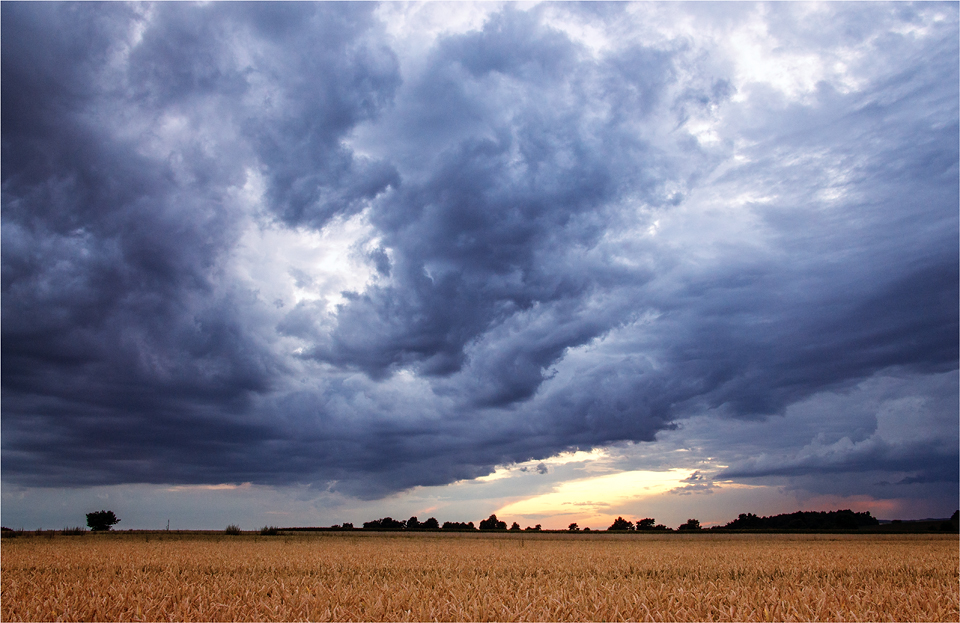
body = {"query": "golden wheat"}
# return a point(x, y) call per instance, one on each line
point(478, 577)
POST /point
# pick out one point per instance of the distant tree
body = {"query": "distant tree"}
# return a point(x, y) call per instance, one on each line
point(746, 521)
point(232, 529)
point(456, 525)
point(646, 524)
point(346, 526)
point(536, 528)
point(804, 520)
point(692, 524)
point(413, 524)
point(515, 526)
point(492, 523)
point(573, 527)
point(387, 523)
point(621, 524)
point(430, 524)
point(952, 524)
point(101, 521)
point(587, 529)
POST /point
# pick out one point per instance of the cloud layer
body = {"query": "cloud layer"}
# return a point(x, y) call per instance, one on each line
point(300, 243)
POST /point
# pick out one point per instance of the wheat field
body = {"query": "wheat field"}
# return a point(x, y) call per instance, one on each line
point(480, 577)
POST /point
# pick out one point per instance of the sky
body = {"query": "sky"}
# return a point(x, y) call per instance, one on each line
point(303, 264)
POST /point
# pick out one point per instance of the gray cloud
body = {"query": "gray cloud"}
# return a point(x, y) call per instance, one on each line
point(906, 432)
point(559, 258)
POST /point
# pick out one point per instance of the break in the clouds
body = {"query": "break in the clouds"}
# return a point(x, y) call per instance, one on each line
point(367, 248)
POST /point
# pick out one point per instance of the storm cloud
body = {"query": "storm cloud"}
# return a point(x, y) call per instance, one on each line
point(284, 243)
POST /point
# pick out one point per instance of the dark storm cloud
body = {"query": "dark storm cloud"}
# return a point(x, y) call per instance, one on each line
point(559, 262)
point(121, 349)
point(482, 238)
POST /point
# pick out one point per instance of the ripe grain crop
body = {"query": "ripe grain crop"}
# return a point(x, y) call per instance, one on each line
point(481, 577)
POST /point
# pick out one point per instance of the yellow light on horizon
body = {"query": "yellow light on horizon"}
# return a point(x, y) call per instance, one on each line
point(594, 496)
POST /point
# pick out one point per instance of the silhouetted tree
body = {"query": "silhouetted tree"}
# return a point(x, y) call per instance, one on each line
point(804, 520)
point(952, 524)
point(536, 528)
point(456, 525)
point(492, 523)
point(692, 524)
point(387, 523)
point(515, 526)
point(431, 524)
point(746, 521)
point(573, 527)
point(646, 523)
point(101, 521)
point(413, 524)
point(621, 524)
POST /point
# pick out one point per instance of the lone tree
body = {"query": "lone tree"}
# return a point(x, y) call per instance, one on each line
point(101, 521)
point(692, 524)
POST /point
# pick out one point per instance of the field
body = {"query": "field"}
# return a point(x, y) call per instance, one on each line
point(480, 577)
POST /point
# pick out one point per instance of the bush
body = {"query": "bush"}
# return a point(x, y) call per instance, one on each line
point(232, 529)
point(268, 531)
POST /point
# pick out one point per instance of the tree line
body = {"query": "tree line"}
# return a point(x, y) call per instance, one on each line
point(801, 520)
point(414, 524)
point(102, 521)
